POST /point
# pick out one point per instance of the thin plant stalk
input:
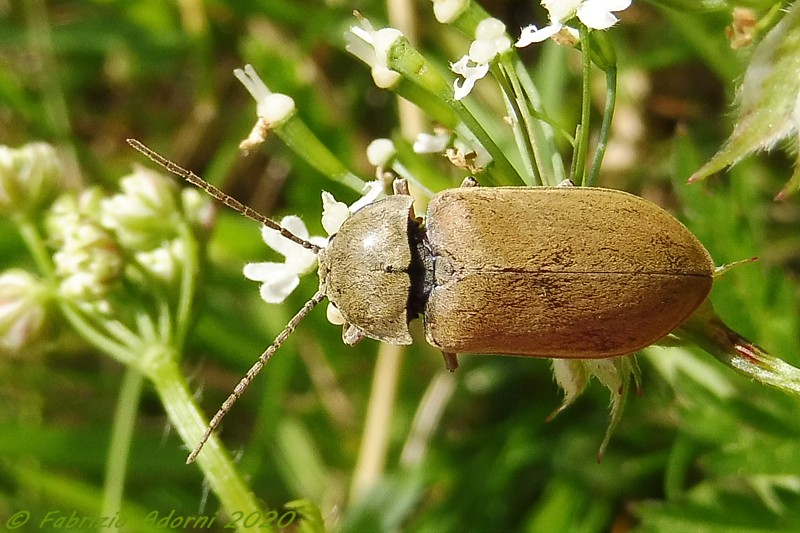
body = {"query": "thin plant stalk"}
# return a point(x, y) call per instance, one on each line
point(377, 424)
point(579, 175)
point(605, 126)
point(121, 438)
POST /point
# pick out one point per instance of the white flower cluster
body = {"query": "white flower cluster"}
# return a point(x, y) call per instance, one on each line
point(491, 39)
point(97, 236)
point(594, 14)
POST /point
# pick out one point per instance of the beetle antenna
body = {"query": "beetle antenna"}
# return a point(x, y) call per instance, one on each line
point(253, 372)
point(226, 199)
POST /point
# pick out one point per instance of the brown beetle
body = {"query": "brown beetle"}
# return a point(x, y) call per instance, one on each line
point(566, 272)
point(547, 272)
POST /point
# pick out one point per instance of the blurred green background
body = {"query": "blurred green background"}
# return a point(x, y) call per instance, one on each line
point(701, 450)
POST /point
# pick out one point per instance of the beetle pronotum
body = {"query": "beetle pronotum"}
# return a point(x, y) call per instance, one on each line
point(534, 271)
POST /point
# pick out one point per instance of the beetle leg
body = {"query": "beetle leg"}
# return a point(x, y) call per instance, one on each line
point(351, 335)
point(400, 186)
point(450, 361)
point(566, 183)
point(470, 181)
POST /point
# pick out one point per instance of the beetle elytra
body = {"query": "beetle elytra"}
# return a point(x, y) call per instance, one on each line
point(566, 272)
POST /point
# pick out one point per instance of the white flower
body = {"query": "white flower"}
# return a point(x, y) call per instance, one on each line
point(272, 109)
point(470, 73)
point(333, 315)
point(334, 213)
point(594, 14)
point(371, 192)
point(69, 210)
point(532, 34)
point(372, 47)
point(380, 152)
point(561, 10)
point(425, 143)
point(599, 14)
point(280, 279)
point(490, 41)
point(197, 208)
point(165, 261)
point(447, 11)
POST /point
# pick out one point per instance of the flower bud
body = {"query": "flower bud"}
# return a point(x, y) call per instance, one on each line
point(447, 11)
point(88, 262)
point(372, 47)
point(22, 309)
point(145, 213)
point(380, 152)
point(165, 261)
point(30, 177)
point(197, 208)
point(70, 209)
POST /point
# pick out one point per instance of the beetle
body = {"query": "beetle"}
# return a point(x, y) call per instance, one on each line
point(560, 272)
point(566, 272)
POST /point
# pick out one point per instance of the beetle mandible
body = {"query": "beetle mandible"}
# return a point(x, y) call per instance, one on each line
point(561, 272)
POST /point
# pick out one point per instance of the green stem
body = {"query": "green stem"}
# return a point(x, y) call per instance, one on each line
point(605, 126)
point(82, 326)
point(305, 144)
point(586, 107)
point(406, 60)
point(183, 312)
point(521, 121)
point(35, 244)
point(218, 468)
point(121, 436)
point(548, 158)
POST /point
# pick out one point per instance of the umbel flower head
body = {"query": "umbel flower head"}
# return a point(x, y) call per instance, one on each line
point(490, 41)
point(88, 259)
